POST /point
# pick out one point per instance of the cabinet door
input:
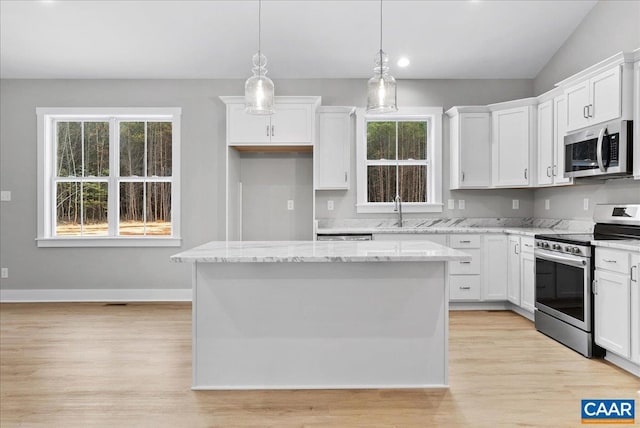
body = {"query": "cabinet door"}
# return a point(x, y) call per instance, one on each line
point(332, 150)
point(577, 102)
point(635, 308)
point(513, 270)
point(545, 143)
point(511, 147)
point(244, 128)
point(559, 131)
point(292, 124)
point(612, 315)
point(494, 274)
point(606, 99)
point(475, 150)
point(528, 281)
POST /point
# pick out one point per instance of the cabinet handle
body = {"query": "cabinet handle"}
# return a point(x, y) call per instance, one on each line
point(267, 130)
point(465, 263)
point(462, 175)
point(634, 278)
point(273, 132)
point(595, 286)
point(515, 248)
point(525, 173)
point(549, 171)
point(465, 242)
point(609, 261)
point(585, 113)
point(345, 176)
point(590, 110)
point(465, 288)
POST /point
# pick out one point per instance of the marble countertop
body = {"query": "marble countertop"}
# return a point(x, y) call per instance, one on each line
point(318, 251)
point(626, 244)
point(525, 231)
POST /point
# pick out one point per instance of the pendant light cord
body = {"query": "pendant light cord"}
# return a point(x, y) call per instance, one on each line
point(259, 37)
point(381, 38)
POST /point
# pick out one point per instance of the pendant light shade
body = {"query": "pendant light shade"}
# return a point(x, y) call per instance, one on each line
point(259, 95)
point(381, 88)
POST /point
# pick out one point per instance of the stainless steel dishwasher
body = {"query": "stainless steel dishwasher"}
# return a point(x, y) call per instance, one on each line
point(345, 237)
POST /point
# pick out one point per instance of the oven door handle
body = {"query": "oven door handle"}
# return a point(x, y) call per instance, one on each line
point(567, 260)
point(599, 149)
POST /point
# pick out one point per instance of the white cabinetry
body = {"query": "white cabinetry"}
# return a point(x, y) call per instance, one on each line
point(559, 132)
point(513, 143)
point(464, 276)
point(527, 274)
point(513, 270)
point(617, 306)
point(545, 142)
point(600, 93)
point(636, 115)
point(291, 124)
point(332, 160)
point(494, 272)
point(470, 144)
point(552, 126)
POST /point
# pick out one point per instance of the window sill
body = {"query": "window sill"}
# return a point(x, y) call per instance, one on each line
point(59, 242)
point(406, 208)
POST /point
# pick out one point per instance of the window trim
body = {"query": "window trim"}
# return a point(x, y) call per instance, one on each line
point(46, 118)
point(434, 159)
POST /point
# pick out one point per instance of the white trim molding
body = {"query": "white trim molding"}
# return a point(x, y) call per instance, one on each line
point(434, 157)
point(96, 295)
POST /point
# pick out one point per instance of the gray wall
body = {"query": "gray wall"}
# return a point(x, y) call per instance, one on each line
point(203, 155)
point(611, 26)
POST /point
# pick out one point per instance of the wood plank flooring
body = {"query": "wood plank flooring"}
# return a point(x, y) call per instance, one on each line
point(80, 365)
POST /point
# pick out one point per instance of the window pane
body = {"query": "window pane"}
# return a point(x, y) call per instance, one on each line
point(412, 140)
point(94, 209)
point(381, 183)
point(68, 203)
point(158, 209)
point(413, 183)
point(159, 149)
point(96, 149)
point(381, 140)
point(131, 149)
point(69, 149)
point(131, 209)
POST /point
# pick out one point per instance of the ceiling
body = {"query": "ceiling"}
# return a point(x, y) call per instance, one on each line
point(301, 39)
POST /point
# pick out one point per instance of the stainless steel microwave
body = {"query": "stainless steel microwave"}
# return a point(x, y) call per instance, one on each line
point(600, 150)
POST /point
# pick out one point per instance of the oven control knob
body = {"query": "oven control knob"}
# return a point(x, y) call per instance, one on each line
point(546, 245)
point(575, 250)
point(557, 247)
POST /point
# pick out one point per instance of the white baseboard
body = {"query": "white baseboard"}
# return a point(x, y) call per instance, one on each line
point(478, 306)
point(97, 295)
point(623, 363)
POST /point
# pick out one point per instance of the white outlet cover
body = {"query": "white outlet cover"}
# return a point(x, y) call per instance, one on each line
point(547, 204)
point(5, 195)
point(461, 204)
point(585, 204)
point(290, 205)
point(5, 273)
point(330, 205)
point(451, 204)
point(515, 204)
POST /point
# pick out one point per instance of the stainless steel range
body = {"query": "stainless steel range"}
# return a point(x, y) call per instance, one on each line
point(564, 273)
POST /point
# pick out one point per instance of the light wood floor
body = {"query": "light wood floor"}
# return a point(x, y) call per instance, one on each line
point(79, 365)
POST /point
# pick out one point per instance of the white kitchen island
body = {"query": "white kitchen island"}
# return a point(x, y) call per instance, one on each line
point(309, 314)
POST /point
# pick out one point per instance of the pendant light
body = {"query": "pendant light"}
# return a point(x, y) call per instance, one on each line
point(258, 89)
point(381, 88)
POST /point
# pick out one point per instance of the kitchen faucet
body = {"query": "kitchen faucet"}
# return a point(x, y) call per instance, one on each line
point(398, 209)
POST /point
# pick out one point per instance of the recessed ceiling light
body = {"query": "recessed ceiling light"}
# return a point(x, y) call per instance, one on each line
point(403, 62)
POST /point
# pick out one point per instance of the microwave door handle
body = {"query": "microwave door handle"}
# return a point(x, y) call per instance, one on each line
point(599, 150)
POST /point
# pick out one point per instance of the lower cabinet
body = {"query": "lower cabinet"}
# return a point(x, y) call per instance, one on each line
point(494, 268)
point(464, 287)
point(521, 264)
point(635, 307)
point(513, 270)
point(612, 312)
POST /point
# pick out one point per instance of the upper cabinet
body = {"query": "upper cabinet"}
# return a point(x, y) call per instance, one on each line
point(470, 144)
point(551, 129)
point(332, 153)
point(291, 124)
point(513, 143)
point(636, 114)
point(600, 93)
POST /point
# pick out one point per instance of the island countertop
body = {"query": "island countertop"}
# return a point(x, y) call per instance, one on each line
point(318, 251)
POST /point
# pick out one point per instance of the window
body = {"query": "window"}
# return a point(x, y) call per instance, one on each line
point(400, 154)
point(108, 177)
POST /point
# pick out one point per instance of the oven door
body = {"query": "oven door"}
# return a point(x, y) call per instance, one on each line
point(563, 287)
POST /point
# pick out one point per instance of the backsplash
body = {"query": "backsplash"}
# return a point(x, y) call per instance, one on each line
point(573, 225)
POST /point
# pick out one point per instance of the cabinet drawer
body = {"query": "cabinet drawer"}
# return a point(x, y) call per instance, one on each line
point(464, 241)
point(464, 287)
point(613, 260)
point(460, 267)
point(527, 245)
